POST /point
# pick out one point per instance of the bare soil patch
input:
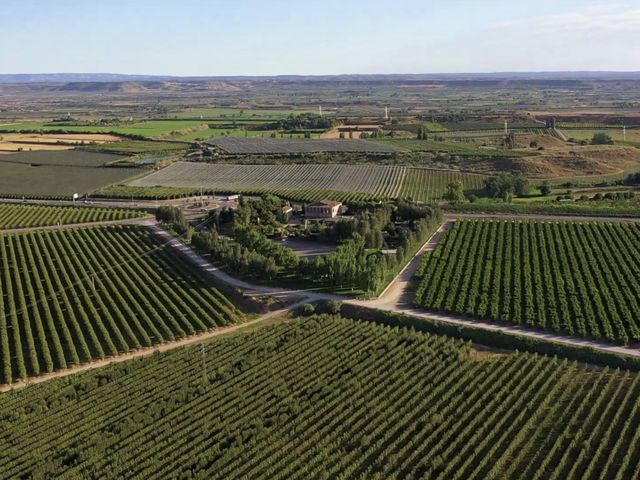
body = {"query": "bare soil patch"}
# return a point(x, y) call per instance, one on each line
point(15, 142)
point(579, 161)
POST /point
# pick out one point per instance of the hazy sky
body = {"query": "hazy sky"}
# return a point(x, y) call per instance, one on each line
point(251, 37)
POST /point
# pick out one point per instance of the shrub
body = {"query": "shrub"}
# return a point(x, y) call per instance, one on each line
point(308, 309)
point(332, 307)
point(601, 138)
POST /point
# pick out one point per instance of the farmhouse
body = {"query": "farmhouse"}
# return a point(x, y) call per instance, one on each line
point(322, 209)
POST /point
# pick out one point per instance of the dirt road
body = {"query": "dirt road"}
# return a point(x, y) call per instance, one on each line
point(145, 352)
point(397, 297)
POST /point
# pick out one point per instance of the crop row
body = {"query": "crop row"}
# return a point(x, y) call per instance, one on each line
point(300, 182)
point(23, 216)
point(255, 145)
point(71, 296)
point(383, 181)
point(327, 398)
point(423, 185)
point(578, 278)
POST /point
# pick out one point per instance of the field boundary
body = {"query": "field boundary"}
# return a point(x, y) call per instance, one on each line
point(146, 351)
point(498, 336)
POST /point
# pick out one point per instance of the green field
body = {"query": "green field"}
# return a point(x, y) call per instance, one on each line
point(297, 182)
point(576, 278)
point(72, 296)
point(472, 147)
point(237, 132)
point(633, 134)
point(605, 208)
point(183, 130)
point(146, 193)
point(26, 216)
point(423, 185)
point(263, 114)
point(146, 128)
point(63, 158)
point(306, 400)
point(304, 182)
point(134, 147)
point(23, 180)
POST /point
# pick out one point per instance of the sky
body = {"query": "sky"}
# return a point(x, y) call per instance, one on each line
point(278, 37)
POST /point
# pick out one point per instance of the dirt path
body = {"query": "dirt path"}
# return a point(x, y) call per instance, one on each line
point(397, 297)
point(218, 274)
point(539, 216)
point(516, 330)
point(145, 352)
point(397, 289)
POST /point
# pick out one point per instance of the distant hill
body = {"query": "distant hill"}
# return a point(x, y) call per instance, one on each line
point(117, 77)
point(74, 77)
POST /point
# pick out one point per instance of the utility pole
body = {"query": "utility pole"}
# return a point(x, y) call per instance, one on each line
point(386, 112)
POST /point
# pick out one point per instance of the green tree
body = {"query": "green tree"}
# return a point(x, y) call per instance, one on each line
point(545, 189)
point(510, 141)
point(601, 138)
point(455, 192)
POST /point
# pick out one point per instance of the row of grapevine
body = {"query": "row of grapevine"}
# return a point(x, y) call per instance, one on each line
point(307, 182)
point(573, 277)
point(71, 296)
point(24, 216)
point(424, 185)
point(326, 397)
point(370, 179)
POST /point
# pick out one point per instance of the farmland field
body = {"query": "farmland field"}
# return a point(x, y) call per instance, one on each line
point(607, 208)
point(316, 181)
point(71, 158)
point(59, 174)
point(262, 114)
point(240, 145)
point(423, 185)
point(149, 128)
point(300, 182)
point(306, 400)
point(25, 216)
point(37, 141)
point(71, 296)
point(632, 135)
point(577, 278)
point(145, 193)
point(132, 147)
point(472, 147)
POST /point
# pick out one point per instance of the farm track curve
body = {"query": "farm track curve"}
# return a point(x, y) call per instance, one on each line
point(396, 298)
